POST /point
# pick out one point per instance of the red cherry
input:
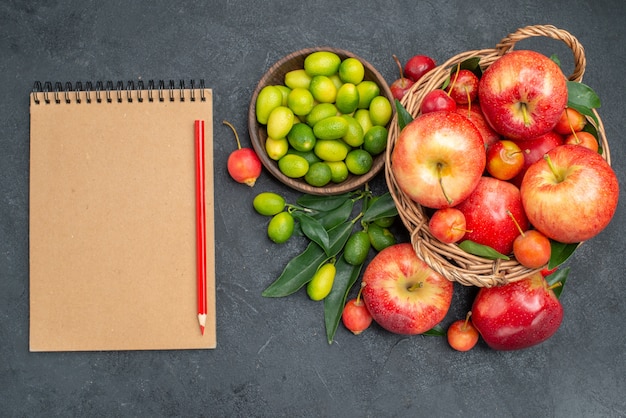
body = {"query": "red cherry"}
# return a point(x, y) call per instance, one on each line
point(463, 87)
point(417, 66)
point(243, 164)
point(402, 85)
point(462, 335)
point(355, 315)
point(437, 100)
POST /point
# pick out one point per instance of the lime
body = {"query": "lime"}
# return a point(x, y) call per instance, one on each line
point(322, 63)
point(359, 161)
point(309, 156)
point(375, 140)
point(363, 117)
point(322, 282)
point(380, 111)
point(331, 149)
point(347, 98)
point(297, 78)
point(333, 127)
point(281, 227)
point(338, 171)
point(367, 91)
point(276, 148)
point(284, 90)
point(319, 174)
point(293, 166)
point(268, 203)
point(380, 238)
point(351, 70)
point(321, 111)
point(279, 122)
point(385, 222)
point(300, 101)
point(357, 248)
point(336, 80)
point(354, 134)
point(323, 89)
point(301, 137)
point(268, 99)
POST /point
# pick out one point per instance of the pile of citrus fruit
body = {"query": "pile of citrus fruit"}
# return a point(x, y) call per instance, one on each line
point(325, 121)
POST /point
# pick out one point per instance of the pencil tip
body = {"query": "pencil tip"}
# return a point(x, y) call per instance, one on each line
point(202, 329)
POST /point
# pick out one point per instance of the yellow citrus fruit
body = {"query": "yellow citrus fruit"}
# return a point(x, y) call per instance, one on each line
point(284, 90)
point(322, 282)
point(351, 70)
point(363, 117)
point(367, 91)
point(297, 78)
point(293, 166)
point(323, 89)
point(347, 98)
point(359, 161)
point(354, 134)
point(333, 127)
point(319, 174)
point(322, 63)
point(280, 227)
point(380, 111)
point(321, 111)
point(309, 156)
point(331, 149)
point(375, 140)
point(301, 137)
point(300, 101)
point(279, 122)
point(269, 98)
point(338, 171)
point(276, 148)
point(336, 80)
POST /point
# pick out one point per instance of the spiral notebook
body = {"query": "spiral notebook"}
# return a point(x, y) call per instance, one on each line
point(112, 216)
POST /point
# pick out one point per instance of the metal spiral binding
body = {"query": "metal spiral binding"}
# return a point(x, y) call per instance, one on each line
point(109, 92)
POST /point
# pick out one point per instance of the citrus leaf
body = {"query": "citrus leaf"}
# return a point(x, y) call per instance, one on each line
point(481, 250)
point(322, 203)
point(404, 117)
point(345, 278)
point(382, 207)
point(559, 276)
point(336, 216)
point(559, 253)
point(313, 230)
point(436, 331)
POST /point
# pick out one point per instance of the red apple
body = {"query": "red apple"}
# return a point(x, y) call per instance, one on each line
point(487, 215)
point(523, 94)
point(402, 293)
point(517, 315)
point(417, 66)
point(463, 87)
point(436, 100)
point(474, 113)
point(400, 86)
point(447, 225)
point(571, 194)
point(535, 149)
point(438, 159)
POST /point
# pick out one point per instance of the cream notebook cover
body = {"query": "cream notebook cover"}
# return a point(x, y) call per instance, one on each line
point(112, 219)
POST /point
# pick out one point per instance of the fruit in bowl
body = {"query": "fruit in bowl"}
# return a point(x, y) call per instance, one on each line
point(340, 97)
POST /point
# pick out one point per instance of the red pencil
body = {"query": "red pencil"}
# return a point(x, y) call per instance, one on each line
point(200, 225)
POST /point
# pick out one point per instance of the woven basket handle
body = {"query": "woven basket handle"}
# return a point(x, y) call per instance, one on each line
point(549, 31)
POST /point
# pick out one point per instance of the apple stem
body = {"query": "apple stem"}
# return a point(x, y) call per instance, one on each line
point(443, 190)
point(525, 114)
point(555, 285)
point(519, 228)
point(235, 132)
point(558, 176)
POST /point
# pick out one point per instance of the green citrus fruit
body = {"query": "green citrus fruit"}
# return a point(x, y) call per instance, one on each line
point(323, 89)
point(351, 70)
point(300, 101)
point(280, 227)
point(301, 137)
point(322, 282)
point(331, 149)
point(293, 166)
point(280, 122)
point(375, 140)
point(269, 98)
point(309, 156)
point(385, 222)
point(354, 134)
point(319, 174)
point(357, 248)
point(297, 78)
point(338, 171)
point(333, 127)
point(380, 238)
point(321, 111)
point(268, 203)
point(367, 91)
point(347, 98)
point(359, 161)
point(380, 111)
point(322, 63)
point(276, 148)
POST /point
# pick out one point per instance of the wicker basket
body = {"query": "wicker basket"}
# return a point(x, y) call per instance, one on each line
point(448, 259)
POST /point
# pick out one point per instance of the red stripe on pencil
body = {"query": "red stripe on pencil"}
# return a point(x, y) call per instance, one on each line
point(200, 225)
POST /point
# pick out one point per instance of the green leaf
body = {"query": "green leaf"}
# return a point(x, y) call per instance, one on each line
point(472, 64)
point(559, 276)
point(559, 253)
point(481, 250)
point(313, 230)
point(336, 216)
point(582, 95)
point(404, 117)
point(345, 278)
point(436, 331)
point(322, 203)
point(382, 207)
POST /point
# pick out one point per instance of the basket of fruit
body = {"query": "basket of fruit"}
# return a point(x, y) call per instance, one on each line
point(480, 164)
point(318, 119)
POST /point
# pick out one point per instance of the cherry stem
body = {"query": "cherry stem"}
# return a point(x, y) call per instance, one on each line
point(467, 319)
point(555, 285)
point(443, 190)
point(456, 76)
point(358, 296)
point(234, 131)
point(519, 228)
point(399, 66)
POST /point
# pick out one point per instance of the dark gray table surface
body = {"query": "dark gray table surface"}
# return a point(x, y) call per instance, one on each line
point(272, 358)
